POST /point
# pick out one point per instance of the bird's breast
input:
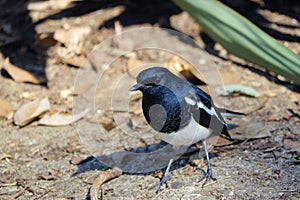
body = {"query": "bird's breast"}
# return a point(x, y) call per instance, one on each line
point(187, 135)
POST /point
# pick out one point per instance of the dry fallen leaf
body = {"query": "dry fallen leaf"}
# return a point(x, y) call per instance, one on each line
point(5, 109)
point(61, 119)
point(20, 75)
point(49, 5)
point(74, 35)
point(105, 176)
point(30, 111)
point(73, 39)
point(181, 67)
point(45, 39)
point(79, 61)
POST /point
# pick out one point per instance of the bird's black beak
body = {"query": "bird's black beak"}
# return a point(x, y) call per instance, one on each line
point(135, 87)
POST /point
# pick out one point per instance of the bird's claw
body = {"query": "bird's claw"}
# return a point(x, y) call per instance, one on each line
point(208, 176)
point(163, 181)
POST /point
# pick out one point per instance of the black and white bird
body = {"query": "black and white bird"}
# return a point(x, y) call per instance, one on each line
point(179, 111)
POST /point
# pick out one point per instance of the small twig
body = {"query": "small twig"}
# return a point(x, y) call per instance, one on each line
point(271, 149)
point(44, 193)
point(18, 194)
point(288, 191)
point(105, 176)
point(204, 185)
point(295, 162)
point(8, 184)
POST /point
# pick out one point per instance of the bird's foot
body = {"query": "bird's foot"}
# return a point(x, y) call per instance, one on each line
point(162, 182)
point(208, 176)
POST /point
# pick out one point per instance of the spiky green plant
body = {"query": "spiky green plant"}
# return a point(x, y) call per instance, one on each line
point(242, 38)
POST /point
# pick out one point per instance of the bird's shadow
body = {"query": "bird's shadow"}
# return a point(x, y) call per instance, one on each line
point(140, 160)
point(93, 163)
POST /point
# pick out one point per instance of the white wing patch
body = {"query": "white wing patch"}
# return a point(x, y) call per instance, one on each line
point(190, 101)
point(200, 105)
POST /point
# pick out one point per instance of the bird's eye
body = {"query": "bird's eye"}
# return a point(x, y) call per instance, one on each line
point(150, 84)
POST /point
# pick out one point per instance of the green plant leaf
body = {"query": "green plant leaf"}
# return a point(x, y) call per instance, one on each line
point(296, 156)
point(105, 168)
point(228, 90)
point(242, 38)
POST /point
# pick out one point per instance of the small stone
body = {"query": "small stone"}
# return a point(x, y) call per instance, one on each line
point(75, 160)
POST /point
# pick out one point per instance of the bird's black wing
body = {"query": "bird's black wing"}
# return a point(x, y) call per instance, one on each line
point(204, 111)
point(201, 95)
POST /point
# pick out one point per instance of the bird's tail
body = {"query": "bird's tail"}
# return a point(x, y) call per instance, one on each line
point(232, 126)
point(226, 128)
point(225, 132)
point(230, 113)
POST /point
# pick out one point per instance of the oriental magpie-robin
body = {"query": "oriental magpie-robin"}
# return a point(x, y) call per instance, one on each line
point(179, 111)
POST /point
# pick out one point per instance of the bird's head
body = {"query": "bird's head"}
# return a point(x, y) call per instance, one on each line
point(150, 78)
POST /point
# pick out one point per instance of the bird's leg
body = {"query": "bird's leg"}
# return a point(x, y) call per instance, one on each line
point(209, 169)
point(165, 176)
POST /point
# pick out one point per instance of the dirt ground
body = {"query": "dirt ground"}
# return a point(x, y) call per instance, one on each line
point(56, 162)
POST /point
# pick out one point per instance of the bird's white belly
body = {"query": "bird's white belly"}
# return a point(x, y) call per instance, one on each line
point(190, 134)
